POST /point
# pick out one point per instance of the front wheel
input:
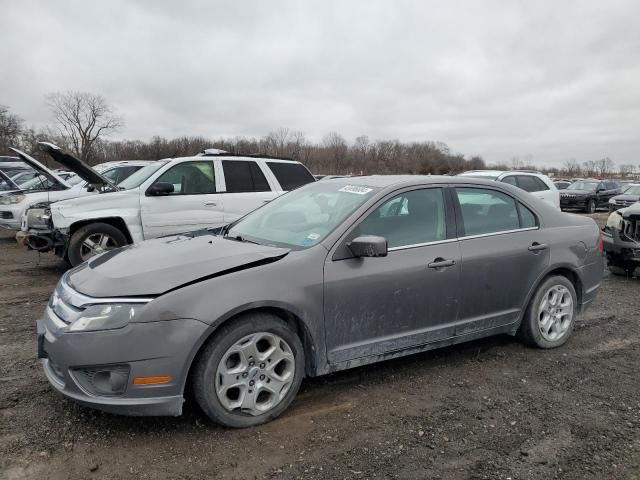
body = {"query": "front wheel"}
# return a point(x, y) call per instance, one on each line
point(92, 240)
point(591, 206)
point(249, 372)
point(550, 316)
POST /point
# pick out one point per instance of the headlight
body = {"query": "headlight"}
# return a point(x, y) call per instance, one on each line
point(106, 316)
point(615, 221)
point(11, 199)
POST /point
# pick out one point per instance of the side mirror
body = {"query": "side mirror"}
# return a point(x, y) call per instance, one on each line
point(91, 188)
point(368, 246)
point(160, 188)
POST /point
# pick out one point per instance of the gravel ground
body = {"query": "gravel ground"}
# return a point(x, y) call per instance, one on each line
point(492, 409)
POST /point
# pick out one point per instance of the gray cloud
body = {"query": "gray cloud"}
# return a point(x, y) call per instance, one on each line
point(553, 80)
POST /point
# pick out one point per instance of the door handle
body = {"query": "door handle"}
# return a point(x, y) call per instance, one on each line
point(441, 263)
point(210, 204)
point(536, 247)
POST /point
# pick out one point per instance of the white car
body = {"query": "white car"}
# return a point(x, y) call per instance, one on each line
point(169, 196)
point(49, 187)
point(538, 184)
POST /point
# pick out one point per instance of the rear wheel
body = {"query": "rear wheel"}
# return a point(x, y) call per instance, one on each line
point(249, 372)
point(94, 239)
point(550, 316)
point(616, 270)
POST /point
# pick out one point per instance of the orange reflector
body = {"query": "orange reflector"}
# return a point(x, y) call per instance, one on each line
point(152, 380)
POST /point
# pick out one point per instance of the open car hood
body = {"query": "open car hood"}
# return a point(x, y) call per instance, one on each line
point(158, 266)
point(77, 166)
point(40, 168)
point(9, 185)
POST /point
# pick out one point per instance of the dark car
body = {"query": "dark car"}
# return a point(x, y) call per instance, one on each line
point(333, 275)
point(629, 196)
point(622, 240)
point(588, 195)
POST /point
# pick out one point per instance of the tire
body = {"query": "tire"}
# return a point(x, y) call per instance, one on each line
point(617, 270)
point(223, 348)
point(591, 206)
point(531, 329)
point(78, 249)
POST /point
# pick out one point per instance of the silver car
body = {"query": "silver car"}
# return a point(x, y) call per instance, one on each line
point(333, 275)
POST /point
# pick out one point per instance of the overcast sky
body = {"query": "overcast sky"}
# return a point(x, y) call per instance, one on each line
point(549, 80)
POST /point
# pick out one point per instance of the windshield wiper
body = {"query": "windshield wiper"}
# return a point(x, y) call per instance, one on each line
point(240, 238)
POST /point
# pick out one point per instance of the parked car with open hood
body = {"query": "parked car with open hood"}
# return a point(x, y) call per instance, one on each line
point(336, 274)
point(49, 187)
point(170, 196)
point(629, 196)
point(588, 195)
point(622, 240)
point(538, 184)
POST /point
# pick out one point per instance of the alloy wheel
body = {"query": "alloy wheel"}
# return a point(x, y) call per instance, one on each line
point(255, 374)
point(96, 244)
point(555, 313)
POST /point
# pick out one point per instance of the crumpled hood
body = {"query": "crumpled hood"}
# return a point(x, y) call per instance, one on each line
point(156, 266)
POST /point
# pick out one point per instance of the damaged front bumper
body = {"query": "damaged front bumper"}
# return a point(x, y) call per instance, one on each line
point(37, 232)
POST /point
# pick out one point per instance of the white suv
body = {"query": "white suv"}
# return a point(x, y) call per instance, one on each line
point(168, 197)
point(535, 183)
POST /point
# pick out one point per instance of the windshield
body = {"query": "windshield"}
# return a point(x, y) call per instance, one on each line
point(628, 186)
point(583, 186)
point(303, 217)
point(141, 175)
point(632, 190)
point(36, 183)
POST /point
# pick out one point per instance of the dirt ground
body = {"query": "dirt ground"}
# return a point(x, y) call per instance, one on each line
point(492, 409)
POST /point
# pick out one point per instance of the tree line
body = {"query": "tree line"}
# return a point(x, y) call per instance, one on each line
point(83, 123)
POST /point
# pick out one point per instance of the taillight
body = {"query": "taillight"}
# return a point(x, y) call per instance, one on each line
point(600, 242)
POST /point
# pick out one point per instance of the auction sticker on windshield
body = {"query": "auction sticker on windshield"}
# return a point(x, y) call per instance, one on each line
point(355, 189)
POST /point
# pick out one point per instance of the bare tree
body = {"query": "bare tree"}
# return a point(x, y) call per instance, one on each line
point(83, 119)
point(10, 129)
point(626, 169)
point(337, 146)
point(604, 166)
point(571, 167)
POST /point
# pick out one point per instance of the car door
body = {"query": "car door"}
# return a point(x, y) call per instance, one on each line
point(192, 205)
point(610, 190)
point(410, 297)
point(503, 252)
point(246, 188)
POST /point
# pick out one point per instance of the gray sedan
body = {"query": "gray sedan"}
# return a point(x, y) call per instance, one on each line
point(334, 275)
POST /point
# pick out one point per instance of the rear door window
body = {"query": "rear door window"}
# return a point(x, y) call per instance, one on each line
point(290, 175)
point(511, 180)
point(487, 211)
point(529, 183)
point(243, 176)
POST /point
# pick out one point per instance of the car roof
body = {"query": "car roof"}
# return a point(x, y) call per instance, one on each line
point(116, 163)
point(494, 173)
point(383, 181)
point(231, 156)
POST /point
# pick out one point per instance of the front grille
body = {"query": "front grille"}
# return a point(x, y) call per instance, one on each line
point(6, 215)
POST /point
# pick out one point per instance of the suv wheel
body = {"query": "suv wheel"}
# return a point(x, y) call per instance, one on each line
point(249, 372)
point(550, 316)
point(92, 240)
point(591, 206)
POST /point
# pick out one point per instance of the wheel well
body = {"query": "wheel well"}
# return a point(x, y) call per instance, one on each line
point(115, 221)
point(294, 322)
point(569, 275)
